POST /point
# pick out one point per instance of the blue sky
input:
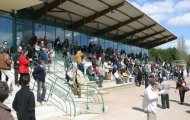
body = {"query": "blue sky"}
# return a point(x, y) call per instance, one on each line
point(174, 15)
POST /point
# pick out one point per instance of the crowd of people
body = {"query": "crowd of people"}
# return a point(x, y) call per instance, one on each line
point(104, 64)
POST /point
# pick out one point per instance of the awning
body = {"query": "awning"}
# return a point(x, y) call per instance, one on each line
point(10, 5)
point(117, 20)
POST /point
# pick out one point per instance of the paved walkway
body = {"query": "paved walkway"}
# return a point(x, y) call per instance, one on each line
point(125, 104)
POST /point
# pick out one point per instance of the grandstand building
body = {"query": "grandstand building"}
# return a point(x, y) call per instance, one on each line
point(110, 23)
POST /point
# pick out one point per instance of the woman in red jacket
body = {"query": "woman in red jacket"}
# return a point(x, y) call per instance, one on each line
point(23, 65)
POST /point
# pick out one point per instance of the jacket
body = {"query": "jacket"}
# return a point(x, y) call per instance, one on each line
point(165, 87)
point(5, 61)
point(23, 64)
point(16, 57)
point(150, 100)
point(5, 112)
point(180, 85)
point(24, 104)
point(39, 73)
point(45, 57)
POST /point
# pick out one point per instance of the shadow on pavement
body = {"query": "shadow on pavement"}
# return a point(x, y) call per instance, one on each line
point(188, 111)
point(138, 109)
point(185, 104)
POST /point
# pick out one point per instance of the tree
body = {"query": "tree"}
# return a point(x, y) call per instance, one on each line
point(181, 49)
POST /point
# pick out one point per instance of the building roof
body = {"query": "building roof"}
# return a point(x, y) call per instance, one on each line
point(9, 6)
point(117, 20)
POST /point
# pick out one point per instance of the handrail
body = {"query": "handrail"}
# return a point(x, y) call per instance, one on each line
point(88, 88)
point(56, 88)
point(64, 98)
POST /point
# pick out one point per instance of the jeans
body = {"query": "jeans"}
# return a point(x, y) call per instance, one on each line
point(182, 96)
point(41, 86)
point(9, 75)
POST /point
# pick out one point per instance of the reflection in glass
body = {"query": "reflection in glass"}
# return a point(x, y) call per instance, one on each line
point(39, 30)
point(77, 37)
point(50, 33)
point(84, 40)
point(60, 34)
point(102, 43)
point(68, 35)
point(6, 31)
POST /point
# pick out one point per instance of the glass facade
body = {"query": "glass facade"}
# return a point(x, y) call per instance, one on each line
point(25, 28)
point(6, 30)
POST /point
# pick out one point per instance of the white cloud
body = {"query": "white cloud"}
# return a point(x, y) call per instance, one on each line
point(168, 45)
point(182, 6)
point(166, 10)
point(158, 10)
point(181, 20)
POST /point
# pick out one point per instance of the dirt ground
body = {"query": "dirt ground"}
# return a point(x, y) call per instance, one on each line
point(125, 104)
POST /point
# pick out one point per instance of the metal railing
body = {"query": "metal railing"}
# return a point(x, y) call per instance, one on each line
point(60, 93)
point(57, 94)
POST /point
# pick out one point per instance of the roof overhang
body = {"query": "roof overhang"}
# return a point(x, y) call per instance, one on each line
point(116, 20)
point(10, 5)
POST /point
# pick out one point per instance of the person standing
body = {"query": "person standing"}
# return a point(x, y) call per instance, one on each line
point(23, 65)
point(180, 86)
point(79, 79)
point(4, 110)
point(45, 58)
point(5, 45)
point(101, 75)
point(57, 44)
point(79, 60)
point(16, 56)
point(165, 87)
point(5, 66)
point(1, 51)
point(150, 100)
point(24, 101)
point(39, 75)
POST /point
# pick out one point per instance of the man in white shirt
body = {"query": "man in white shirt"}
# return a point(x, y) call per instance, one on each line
point(150, 100)
point(118, 77)
point(165, 87)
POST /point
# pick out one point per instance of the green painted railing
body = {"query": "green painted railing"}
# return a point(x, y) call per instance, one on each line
point(57, 94)
point(60, 92)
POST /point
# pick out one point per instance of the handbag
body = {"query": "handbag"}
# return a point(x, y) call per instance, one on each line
point(186, 88)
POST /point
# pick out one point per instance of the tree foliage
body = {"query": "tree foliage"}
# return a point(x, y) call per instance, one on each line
point(167, 55)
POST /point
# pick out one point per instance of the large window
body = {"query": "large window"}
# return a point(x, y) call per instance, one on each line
point(77, 37)
point(60, 33)
point(27, 30)
point(68, 35)
point(108, 44)
point(50, 33)
point(115, 45)
point(6, 31)
point(84, 40)
point(96, 40)
point(40, 30)
point(20, 32)
point(102, 43)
